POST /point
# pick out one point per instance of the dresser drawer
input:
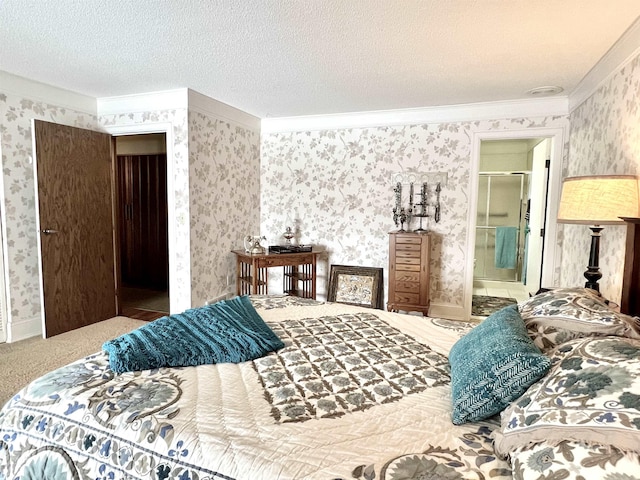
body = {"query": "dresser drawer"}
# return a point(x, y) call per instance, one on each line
point(400, 239)
point(405, 267)
point(407, 287)
point(408, 260)
point(404, 276)
point(408, 254)
point(277, 260)
point(412, 298)
point(403, 247)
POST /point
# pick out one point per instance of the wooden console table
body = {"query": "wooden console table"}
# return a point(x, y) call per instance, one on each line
point(299, 273)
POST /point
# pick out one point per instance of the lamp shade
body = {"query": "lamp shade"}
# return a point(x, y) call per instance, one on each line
point(598, 200)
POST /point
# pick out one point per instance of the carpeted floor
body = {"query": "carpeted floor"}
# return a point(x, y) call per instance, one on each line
point(483, 305)
point(26, 360)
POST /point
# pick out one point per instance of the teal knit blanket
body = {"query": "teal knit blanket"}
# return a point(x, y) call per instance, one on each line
point(230, 331)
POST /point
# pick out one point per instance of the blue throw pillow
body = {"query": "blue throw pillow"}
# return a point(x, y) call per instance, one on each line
point(493, 365)
point(230, 331)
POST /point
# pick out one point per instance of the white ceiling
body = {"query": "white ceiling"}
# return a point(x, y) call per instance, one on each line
point(275, 58)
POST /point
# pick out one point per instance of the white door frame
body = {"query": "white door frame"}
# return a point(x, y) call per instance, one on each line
point(4, 261)
point(551, 256)
point(172, 227)
point(4, 274)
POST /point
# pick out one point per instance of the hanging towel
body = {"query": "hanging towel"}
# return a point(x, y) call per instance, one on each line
point(506, 247)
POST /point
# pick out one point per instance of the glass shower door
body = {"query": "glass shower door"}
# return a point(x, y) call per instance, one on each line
point(498, 226)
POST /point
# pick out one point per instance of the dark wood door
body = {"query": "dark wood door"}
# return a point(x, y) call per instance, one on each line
point(75, 198)
point(144, 253)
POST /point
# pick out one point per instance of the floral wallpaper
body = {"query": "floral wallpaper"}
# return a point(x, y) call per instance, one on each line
point(178, 193)
point(604, 139)
point(23, 288)
point(214, 176)
point(224, 193)
point(336, 188)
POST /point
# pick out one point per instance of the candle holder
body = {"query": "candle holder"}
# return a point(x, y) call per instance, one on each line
point(288, 235)
point(398, 210)
point(421, 209)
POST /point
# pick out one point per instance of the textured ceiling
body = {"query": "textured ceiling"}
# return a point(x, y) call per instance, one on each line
point(275, 58)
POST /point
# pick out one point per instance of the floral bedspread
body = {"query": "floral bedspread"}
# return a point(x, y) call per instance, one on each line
point(355, 394)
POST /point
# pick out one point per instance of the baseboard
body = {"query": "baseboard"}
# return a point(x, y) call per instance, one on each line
point(23, 329)
point(224, 296)
point(448, 311)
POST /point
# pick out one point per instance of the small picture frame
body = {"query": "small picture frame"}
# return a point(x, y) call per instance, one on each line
point(360, 286)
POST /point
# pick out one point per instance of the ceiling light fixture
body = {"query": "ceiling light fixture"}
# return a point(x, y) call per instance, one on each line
point(545, 91)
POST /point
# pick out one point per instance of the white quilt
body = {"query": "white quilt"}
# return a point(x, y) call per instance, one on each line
point(356, 393)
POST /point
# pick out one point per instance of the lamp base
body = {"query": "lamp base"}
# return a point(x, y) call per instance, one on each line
point(593, 273)
point(592, 277)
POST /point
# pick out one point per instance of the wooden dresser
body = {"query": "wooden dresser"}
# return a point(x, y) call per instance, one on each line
point(409, 255)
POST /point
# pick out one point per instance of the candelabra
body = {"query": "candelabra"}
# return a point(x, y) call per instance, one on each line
point(398, 211)
point(419, 210)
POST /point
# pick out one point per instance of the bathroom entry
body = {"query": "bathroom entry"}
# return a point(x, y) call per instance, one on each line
point(512, 190)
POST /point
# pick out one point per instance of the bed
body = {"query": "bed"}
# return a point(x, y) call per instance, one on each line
point(354, 393)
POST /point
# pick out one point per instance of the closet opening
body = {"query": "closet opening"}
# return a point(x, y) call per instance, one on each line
point(141, 185)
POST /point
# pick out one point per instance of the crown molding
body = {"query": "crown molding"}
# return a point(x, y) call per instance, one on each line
point(212, 107)
point(538, 107)
point(619, 55)
point(182, 98)
point(144, 102)
point(34, 90)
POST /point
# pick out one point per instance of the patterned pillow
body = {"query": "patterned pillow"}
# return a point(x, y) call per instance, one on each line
point(591, 395)
point(560, 315)
point(573, 461)
point(493, 365)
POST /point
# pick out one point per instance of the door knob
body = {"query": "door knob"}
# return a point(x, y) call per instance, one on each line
point(48, 231)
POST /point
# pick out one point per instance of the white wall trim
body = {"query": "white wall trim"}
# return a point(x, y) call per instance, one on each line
point(176, 304)
point(5, 301)
point(619, 55)
point(144, 102)
point(551, 255)
point(43, 324)
point(211, 107)
point(538, 107)
point(31, 89)
point(23, 329)
point(450, 312)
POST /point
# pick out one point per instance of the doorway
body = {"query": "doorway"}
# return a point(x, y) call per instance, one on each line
point(510, 217)
point(141, 183)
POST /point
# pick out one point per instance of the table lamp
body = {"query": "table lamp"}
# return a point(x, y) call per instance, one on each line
point(595, 201)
